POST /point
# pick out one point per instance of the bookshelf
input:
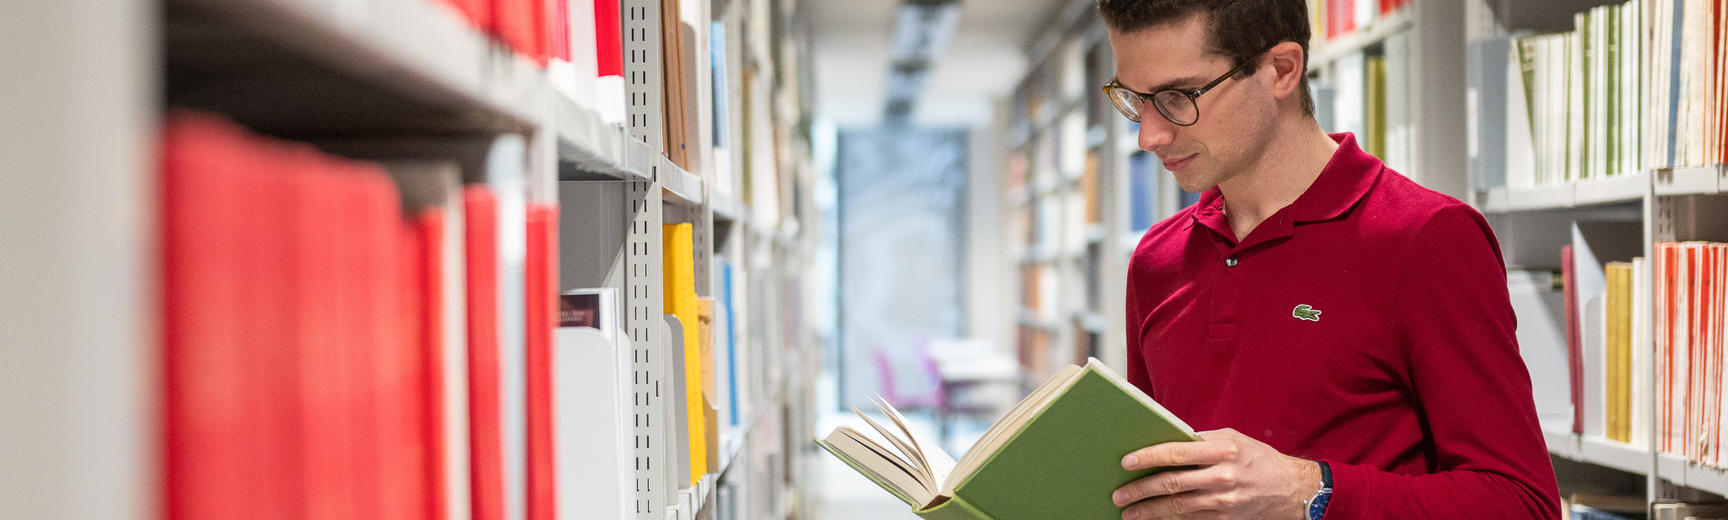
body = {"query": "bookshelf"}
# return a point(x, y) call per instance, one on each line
point(407, 83)
point(1654, 201)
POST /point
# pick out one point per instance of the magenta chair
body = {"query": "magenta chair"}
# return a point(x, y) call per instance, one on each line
point(935, 401)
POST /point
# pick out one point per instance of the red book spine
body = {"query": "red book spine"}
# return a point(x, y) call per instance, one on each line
point(541, 294)
point(202, 405)
point(267, 267)
point(559, 27)
point(608, 38)
point(485, 401)
point(429, 241)
point(519, 26)
point(1575, 356)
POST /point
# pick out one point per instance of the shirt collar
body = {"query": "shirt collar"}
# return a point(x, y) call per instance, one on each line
point(1343, 182)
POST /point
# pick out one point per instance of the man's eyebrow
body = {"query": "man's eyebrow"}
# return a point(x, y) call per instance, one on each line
point(1172, 83)
point(1186, 80)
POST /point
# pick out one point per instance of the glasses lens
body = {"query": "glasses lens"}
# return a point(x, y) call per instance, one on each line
point(1127, 102)
point(1176, 106)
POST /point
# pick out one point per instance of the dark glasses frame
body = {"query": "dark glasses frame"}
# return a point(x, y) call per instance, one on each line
point(1192, 96)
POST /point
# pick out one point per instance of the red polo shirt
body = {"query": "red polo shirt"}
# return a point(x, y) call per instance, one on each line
point(1367, 325)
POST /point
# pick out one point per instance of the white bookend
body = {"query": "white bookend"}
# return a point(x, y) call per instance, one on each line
point(1542, 343)
point(593, 446)
point(1594, 321)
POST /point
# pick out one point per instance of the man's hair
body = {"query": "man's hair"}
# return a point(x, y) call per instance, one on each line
point(1238, 29)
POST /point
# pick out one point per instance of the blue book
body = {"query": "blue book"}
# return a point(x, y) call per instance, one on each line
point(717, 58)
point(1142, 191)
point(731, 342)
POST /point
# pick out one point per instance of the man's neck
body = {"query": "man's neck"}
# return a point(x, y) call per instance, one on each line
point(1291, 163)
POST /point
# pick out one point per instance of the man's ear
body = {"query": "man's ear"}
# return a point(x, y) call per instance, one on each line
point(1286, 60)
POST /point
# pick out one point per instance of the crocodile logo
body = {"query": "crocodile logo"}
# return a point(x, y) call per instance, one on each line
point(1306, 312)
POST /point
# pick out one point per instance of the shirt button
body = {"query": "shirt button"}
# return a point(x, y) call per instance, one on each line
point(1231, 262)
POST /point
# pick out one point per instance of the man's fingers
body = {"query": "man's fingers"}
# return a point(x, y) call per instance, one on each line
point(1177, 454)
point(1187, 506)
point(1211, 479)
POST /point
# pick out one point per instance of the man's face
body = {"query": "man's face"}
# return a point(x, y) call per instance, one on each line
point(1235, 116)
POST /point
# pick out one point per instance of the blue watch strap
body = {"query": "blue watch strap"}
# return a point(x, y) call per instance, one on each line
point(1325, 475)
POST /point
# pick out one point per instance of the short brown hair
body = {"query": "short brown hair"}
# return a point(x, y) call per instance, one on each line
point(1239, 29)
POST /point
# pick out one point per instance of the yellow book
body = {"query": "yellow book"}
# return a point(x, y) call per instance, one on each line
point(1619, 352)
point(1376, 105)
point(680, 272)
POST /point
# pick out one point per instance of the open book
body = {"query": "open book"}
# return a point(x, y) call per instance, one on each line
point(1057, 454)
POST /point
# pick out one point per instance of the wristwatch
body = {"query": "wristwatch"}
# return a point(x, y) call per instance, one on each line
point(1316, 505)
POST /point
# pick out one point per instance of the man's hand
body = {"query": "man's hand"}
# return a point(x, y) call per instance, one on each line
point(1233, 476)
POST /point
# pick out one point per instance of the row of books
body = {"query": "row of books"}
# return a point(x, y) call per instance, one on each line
point(1334, 18)
point(1580, 92)
point(1634, 86)
point(1687, 98)
point(1691, 300)
point(334, 340)
point(1606, 323)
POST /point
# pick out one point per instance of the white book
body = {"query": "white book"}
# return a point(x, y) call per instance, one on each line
point(1520, 146)
point(1351, 98)
point(575, 78)
point(506, 174)
point(1641, 351)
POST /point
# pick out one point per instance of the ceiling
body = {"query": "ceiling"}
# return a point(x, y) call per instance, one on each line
point(985, 60)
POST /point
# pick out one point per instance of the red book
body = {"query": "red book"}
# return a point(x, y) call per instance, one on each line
point(267, 268)
point(203, 411)
point(484, 398)
point(1574, 353)
point(429, 292)
point(521, 25)
point(392, 443)
point(608, 38)
point(318, 243)
point(558, 29)
point(541, 308)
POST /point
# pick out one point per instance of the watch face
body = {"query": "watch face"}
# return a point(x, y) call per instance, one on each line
point(1317, 506)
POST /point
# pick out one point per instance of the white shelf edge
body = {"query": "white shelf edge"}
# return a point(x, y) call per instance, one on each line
point(681, 185)
point(1620, 188)
point(1598, 451)
point(1377, 31)
point(1557, 196)
point(1692, 475)
point(1706, 180)
point(591, 144)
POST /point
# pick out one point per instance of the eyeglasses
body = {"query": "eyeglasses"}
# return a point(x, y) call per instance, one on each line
point(1177, 105)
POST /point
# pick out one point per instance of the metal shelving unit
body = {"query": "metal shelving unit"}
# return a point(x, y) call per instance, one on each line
point(414, 71)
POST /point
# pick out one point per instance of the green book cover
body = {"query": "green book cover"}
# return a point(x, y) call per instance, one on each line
point(1057, 455)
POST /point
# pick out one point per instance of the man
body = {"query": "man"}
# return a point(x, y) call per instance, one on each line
point(1344, 332)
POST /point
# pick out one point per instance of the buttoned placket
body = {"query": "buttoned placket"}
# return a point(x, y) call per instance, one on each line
point(1230, 274)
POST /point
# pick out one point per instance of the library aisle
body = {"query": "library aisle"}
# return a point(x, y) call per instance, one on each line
point(644, 259)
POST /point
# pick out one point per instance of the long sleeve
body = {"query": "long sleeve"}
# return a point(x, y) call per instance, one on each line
point(1136, 358)
point(1487, 457)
